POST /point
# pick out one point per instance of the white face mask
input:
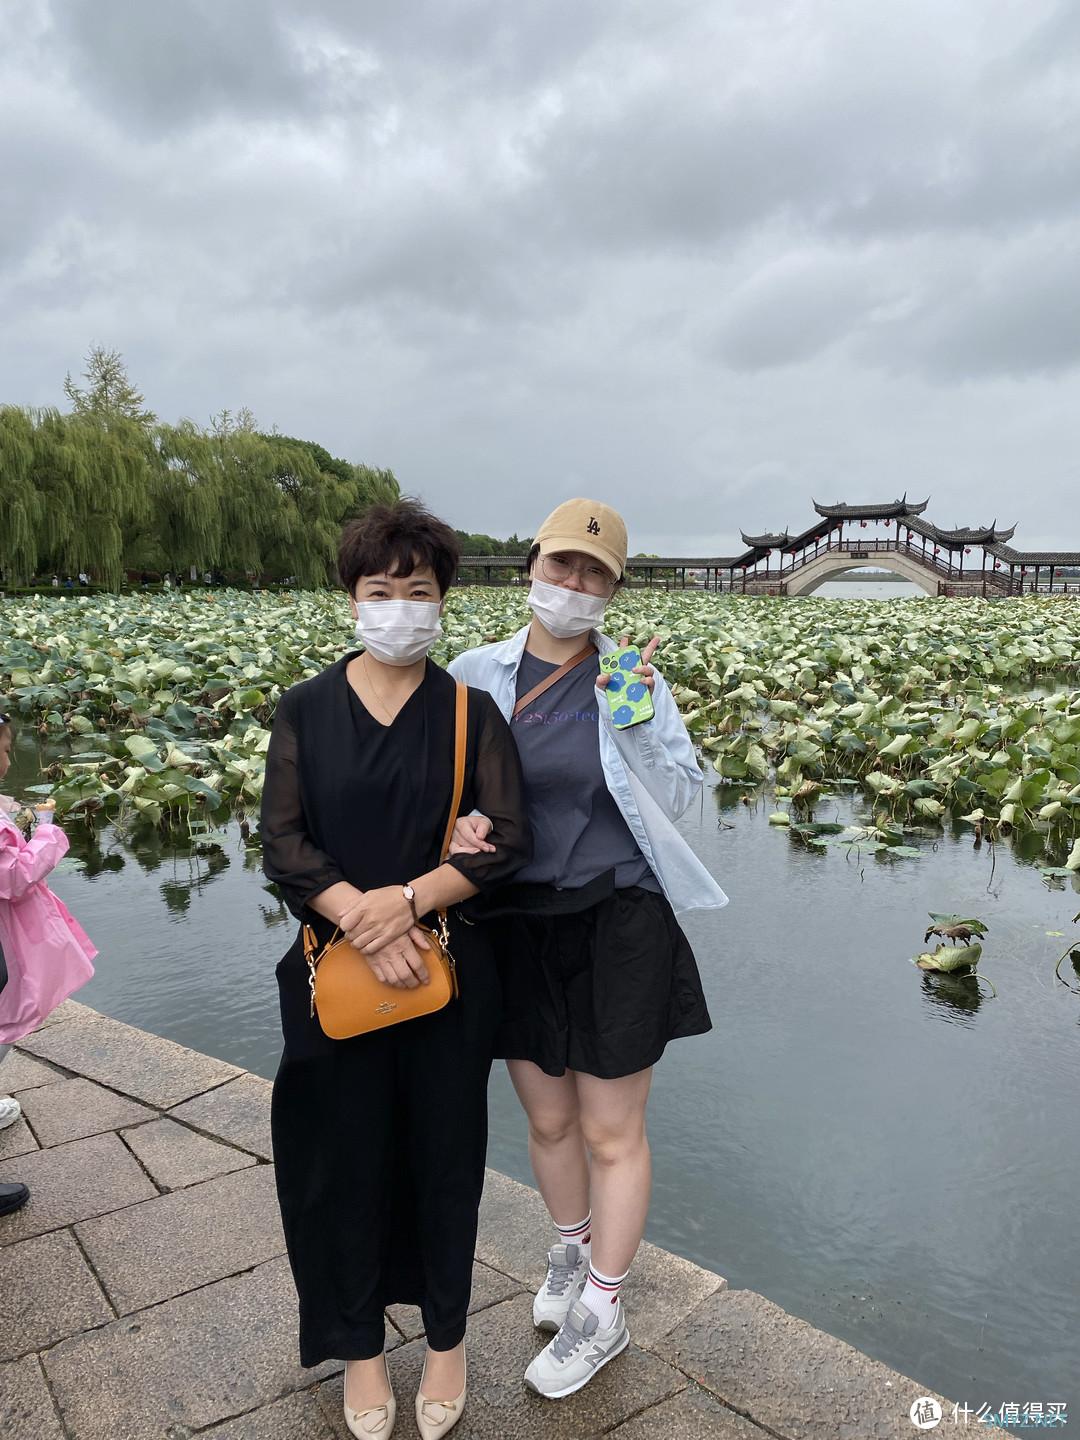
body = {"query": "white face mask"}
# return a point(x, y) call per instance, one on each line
point(565, 613)
point(398, 632)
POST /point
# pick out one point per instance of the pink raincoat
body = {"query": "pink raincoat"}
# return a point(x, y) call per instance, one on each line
point(48, 954)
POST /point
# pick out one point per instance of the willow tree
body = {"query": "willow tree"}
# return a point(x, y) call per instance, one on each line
point(371, 486)
point(103, 468)
point(186, 493)
point(20, 503)
point(312, 502)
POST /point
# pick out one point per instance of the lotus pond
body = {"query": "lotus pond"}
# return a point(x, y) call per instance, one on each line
point(887, 1151)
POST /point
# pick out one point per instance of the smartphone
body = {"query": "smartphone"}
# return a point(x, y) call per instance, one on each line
point(627, 694)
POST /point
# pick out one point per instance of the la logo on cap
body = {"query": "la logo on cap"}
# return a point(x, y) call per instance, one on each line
point(593, 527)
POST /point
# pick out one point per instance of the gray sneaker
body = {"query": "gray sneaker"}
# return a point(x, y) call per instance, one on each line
point(567, 1273)
point(578, 1351)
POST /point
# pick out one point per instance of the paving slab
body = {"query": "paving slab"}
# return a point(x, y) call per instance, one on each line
point(238, 1112)
point(488, 1288)
point(72, 1109)
point(144, 1066)
point(692, 1415)
point(16, 1140)
point(195, 1361)
point(790, 1378)
point(26, 1408)
point(514, 1226)
point(501, 1343)
point(662, 1291)
point(22, 1071)
point(176, 1156)
point(69, 1010)
point(73, 1182)
point(47, 1292)
point(299, 1417)
point(173, 1243)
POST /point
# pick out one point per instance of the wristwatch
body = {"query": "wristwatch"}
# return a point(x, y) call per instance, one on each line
point(410, 896)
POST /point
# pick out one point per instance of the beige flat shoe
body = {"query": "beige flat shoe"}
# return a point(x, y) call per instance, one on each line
point(436, 1417)
point(378, 1420)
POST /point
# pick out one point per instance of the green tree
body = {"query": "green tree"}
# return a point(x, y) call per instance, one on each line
point(106, 488)
point(186, 492)
point(20, 500)
point(109, 392)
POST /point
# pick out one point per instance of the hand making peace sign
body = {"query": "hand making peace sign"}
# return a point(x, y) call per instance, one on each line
point(645, 670)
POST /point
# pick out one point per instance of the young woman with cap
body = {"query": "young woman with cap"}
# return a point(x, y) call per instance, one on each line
point(597, 975)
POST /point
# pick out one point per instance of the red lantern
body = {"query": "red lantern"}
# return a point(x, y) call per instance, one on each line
point(997, 564)
point(862, 524)
point(936, 549)
point(1023, 569)
point(967, 549)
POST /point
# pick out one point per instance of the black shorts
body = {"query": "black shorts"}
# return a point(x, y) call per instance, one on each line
point(600, 991)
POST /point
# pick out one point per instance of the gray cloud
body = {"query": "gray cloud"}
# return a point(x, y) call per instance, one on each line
point(706, 260)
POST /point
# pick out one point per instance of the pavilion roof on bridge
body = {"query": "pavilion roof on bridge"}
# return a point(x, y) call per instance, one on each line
point(817, 531)
point(957, 539)
point(765, 542)
point(1033, 557)
point(893, 510)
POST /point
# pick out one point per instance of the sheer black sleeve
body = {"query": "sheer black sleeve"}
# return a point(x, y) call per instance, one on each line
point(498, 793)
point(290, 857)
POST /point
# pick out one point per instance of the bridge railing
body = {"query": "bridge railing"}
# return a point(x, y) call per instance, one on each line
point(776, 571)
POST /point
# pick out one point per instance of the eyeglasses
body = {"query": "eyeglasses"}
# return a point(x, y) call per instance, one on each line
point(594, 578)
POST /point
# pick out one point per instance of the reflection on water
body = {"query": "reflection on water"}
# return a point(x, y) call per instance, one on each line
point(888, 1153)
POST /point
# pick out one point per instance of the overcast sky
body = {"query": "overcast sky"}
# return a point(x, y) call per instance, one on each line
point(700, 260)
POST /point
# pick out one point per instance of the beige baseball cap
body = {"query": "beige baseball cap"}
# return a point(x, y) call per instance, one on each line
point(589, 526)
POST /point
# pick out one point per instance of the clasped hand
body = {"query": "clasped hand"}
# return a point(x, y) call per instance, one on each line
point(381, 925)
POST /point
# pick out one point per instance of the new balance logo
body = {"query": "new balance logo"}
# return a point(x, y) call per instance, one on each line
point(593, 527)
point(596, 1356)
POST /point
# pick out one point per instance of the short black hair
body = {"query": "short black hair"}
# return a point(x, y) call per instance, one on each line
point(396, 540)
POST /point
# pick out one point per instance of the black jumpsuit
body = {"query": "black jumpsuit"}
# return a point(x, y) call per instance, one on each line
point(380, 1140)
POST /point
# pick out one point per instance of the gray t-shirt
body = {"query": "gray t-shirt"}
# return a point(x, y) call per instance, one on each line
point(578, 830)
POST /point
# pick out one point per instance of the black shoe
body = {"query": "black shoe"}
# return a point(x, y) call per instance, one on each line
point(13, 1197)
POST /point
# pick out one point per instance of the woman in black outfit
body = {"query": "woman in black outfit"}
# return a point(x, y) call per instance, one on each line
point(380, 1140)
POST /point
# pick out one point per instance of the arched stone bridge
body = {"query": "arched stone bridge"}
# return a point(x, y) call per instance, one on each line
point(804, 579)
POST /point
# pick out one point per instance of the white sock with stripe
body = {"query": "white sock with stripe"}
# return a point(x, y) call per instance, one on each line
point(601, 1295)
point(579, 1235)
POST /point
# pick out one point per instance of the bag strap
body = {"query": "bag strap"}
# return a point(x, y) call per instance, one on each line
point(461, 730)
point(556, 675)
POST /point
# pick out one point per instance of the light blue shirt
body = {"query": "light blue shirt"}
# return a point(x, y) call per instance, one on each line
point(650, 769)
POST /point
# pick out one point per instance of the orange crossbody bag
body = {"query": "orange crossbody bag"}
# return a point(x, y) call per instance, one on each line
point(346, 994)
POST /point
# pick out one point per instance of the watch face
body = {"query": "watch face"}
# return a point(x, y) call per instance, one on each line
point(409, 892)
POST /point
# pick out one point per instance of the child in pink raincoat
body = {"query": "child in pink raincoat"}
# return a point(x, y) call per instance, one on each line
point(47, 953)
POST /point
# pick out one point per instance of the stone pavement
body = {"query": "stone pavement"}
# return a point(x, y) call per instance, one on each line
point(145, 1295)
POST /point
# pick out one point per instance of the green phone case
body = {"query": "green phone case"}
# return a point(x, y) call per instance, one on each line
point(627, 694)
